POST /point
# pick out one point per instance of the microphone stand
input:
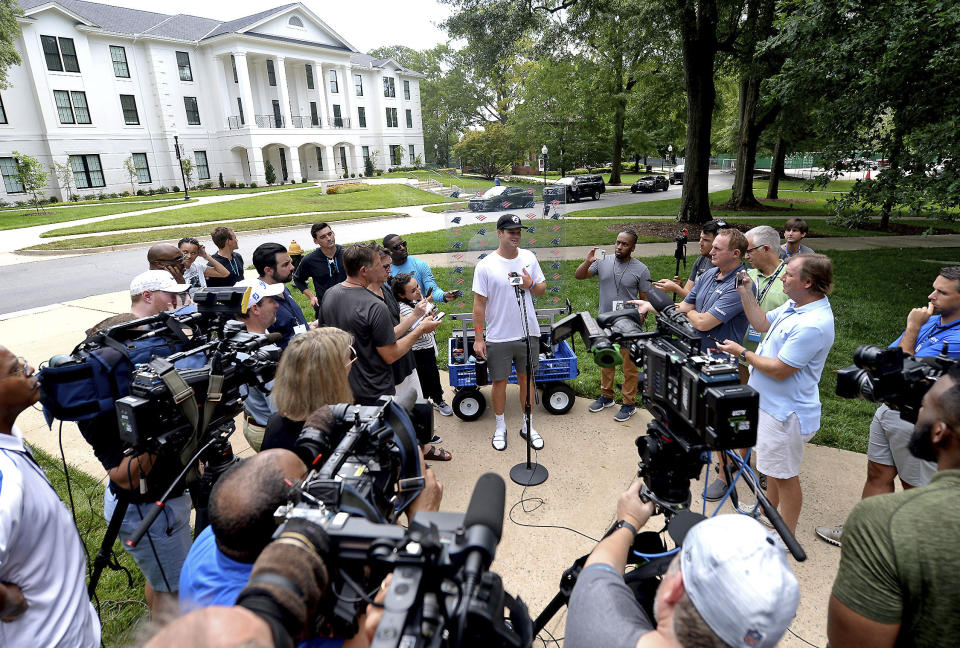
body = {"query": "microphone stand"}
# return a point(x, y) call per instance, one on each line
point(527, 473)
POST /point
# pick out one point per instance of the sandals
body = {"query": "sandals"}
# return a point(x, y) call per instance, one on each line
point(435, 453)
point(536, 441)
point(499, 440)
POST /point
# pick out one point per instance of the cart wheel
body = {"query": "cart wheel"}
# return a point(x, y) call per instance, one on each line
point(558, 398)
point(468, 404)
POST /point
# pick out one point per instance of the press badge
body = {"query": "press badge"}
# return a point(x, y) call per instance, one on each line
point(753, 335)
point(617, 304)
point(299, 328)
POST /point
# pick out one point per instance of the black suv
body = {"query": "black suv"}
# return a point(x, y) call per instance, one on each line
point(573, 188)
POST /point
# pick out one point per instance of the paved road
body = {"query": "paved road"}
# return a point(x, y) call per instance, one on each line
point(41, 281)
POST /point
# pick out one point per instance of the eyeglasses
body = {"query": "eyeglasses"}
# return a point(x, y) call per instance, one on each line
point(351, 358)
point(23, 367)
point(399, 245)
point(754, 249)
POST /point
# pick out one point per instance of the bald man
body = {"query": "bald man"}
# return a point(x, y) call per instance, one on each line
point(165, 256)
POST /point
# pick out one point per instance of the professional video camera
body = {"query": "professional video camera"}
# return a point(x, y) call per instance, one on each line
point(442, 593)
point(696, 399)
point(888, 375)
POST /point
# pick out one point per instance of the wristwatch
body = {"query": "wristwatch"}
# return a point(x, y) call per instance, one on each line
point(623, 524)
point(743, 355)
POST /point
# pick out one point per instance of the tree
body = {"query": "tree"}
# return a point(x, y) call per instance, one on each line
point(186, 163)
point(64, 174)
point(131, 168)
point(368, 166)
point(268, 172)
point(9, 32)
point(490, 150)
point(31, 175)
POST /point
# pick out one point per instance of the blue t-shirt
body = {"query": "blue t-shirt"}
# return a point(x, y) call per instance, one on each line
point(289, 316)
point(721, 299)
point(932, 336)
point(210, 578)
point(424, 276)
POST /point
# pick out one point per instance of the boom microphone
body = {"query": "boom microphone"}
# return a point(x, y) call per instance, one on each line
point(484, 524)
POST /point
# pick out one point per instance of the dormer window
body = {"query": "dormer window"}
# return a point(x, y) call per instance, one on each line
point(295, 22)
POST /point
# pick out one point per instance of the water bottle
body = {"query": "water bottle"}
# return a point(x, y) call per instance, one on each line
point(481, 369)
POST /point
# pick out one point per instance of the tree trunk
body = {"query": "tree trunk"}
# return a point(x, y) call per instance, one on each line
point(896, 148)
point(742, 196)
point(776, 168)
point(698, 29)
point(619, 117)
point(636, 162)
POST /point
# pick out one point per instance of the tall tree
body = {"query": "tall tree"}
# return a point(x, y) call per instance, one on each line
point(9, 32)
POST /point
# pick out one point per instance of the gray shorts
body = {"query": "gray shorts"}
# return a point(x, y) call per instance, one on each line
point(500, 355)
point(889, 438)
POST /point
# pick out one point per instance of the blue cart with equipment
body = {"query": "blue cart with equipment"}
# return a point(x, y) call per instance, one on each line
point(557, 364)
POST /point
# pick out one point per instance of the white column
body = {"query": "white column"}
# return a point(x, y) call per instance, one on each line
point(330, 161)
point(293, 163)
point(255, 158)
point(321, 85)
point(226, 104)
point(284, 94)
point(246, 95)
point(347, 88)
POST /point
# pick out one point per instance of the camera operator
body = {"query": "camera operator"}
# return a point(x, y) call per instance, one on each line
point(729, 585)
point(786, 370)
point(707, 234)
point(928, 330)
point(896, 584)
point(260, 314)
point(43, 601)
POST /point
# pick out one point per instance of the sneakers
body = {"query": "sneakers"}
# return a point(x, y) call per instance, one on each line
point(500, 438)
point(443, 408)
point(436, 439)
point(715, 491)
point(600, 404)
point(831, 534)
point(535, 439)
point(626, 411)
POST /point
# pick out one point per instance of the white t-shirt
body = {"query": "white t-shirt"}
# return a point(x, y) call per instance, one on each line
point(40, 552)
point(490, 279)
point(194, 275)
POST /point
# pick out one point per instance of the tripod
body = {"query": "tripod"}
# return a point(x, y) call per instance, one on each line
point(680, 254)
point(526, 473)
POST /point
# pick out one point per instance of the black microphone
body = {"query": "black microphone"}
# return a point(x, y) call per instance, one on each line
point(316, 439)
point(484, 524)
point(659, 300)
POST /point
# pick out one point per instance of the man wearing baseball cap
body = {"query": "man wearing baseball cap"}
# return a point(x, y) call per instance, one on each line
point(259, 312)
point(154, 291)
point(729, 585)
point(495, 305)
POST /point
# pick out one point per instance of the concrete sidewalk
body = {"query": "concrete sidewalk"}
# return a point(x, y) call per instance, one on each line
point(590, 457)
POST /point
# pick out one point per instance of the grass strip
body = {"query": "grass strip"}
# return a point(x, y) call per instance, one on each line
point(30, 217)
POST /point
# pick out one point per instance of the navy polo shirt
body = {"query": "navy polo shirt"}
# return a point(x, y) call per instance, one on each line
point(289, 316)
point(720, 298)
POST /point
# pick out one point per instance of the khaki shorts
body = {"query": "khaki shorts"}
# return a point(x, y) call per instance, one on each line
point(779, 446)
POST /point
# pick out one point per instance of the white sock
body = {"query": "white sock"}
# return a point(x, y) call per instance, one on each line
point(500, 421)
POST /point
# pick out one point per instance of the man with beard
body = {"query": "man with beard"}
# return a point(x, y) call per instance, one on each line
point(620, 279)
point(324, 266)
point(403, 262)
point(928, 331)
point(896, 584)
point(274, 266)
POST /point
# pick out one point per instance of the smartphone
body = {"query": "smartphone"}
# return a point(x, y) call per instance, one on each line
point(600, 254)
point(740, 277)
point(439, 316)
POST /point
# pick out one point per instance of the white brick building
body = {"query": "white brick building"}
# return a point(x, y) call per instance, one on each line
point(100, 85)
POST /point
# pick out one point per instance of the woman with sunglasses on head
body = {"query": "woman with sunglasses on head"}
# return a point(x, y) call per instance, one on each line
point(312, 373)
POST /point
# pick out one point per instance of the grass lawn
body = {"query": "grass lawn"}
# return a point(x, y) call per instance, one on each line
point(173, 195)
point(199, 231)
point(760, 186)
point(309, 200)
point(121, 606)
point(70, 212)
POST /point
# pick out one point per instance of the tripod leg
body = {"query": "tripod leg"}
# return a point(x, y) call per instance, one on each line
point(106, 546)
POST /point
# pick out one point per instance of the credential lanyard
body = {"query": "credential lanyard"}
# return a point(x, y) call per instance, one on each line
point(770, 283)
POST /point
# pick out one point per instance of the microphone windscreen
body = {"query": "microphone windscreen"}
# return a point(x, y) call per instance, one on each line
point(487, 503)
point(274, 337)
point(320, 419)
point(659, 299)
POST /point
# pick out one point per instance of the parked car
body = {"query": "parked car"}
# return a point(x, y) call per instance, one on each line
point(676, 176)
point(502, 198)
point(650, 183)
point(573, 188)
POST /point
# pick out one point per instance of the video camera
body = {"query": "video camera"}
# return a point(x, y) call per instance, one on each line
point(696, 399)
point(888, 375)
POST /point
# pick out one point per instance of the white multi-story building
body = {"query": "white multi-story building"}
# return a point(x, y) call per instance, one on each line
point(100, 85)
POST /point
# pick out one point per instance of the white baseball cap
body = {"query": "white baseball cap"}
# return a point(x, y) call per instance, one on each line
point(258, 291)
point(156, 280)
point(736, 575)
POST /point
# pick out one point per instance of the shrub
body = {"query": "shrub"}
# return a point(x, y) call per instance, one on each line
point(233, 184)
point(22, 203)
point(253, 185)
point(350, 187)
point(75, 197)
point(241, 184)
point(162, 189)
point(141, 192)
point(269, 173)
point(379, 172)
point(368, 167)
point(221, 180)
point(52, 199)
point(304, 181)
point(101, 196)
point(175, 189)
point(353, 175)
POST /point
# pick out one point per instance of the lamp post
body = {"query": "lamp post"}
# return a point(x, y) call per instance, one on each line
point(436, 154)
point(183, 177)
point(544, 152)
point(670, 152)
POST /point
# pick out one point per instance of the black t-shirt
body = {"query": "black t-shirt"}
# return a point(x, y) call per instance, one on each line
point(324, 271)
point(405, 365)
point(281, 432)
point(233, 265)
point(365, 316)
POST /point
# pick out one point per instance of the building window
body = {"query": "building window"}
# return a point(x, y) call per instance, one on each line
point(271, 73)
point(203, 169)
point(295, 22)
point(362, 117)
point(413, 154)
point(193, 110)
point(314, 117)
point(389, 90)
point(233, 64)
point(60, 53)
point(309, 76)
point(87, 171)
point(358, 84)
point(406, 90)
point(392, 118)
point(119, 57)
point(333, 81)
point(129, 105)
point(319, 159)
point(366, 154)
point(3, 112)
point(183, 64)
point(240, 108)
point(409, 118)
point(337, 117)
point(143, 168)
point(72, 107)
point(396, 154)
point(11, 173)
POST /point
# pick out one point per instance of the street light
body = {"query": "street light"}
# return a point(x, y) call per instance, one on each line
point(670, 152)
point(544, 152)
point(176, 146)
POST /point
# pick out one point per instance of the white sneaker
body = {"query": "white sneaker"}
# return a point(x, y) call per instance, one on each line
point(535, 439)
point(500, 438)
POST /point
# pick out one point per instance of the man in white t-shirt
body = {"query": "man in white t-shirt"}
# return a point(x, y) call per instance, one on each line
point(495, 304)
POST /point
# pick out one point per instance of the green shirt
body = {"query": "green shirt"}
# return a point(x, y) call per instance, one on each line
point(900, 559)
point(774, 297)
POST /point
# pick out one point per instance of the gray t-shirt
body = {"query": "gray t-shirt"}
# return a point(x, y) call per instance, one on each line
point(803, 249)
point(604, 612)
point(701, 265)
point(360, 313)
point(619, 280)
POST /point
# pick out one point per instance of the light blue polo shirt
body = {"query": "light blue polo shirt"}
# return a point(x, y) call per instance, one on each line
point(800, 337)
point(721, 299)
point(932, 336)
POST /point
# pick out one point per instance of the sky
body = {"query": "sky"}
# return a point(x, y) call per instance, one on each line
point(366, 24)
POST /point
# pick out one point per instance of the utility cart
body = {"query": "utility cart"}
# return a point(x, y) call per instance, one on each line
point(557, 363)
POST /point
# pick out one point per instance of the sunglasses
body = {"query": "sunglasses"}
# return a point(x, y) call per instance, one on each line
point(399, 245)
point(351, 358)
point(23, 367)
